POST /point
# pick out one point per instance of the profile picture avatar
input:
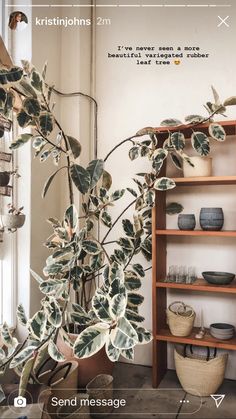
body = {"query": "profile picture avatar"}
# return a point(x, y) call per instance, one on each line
point(18, 21)
point(19, 401)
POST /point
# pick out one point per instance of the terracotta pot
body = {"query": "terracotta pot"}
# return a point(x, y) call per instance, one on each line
point(90, 367)
point(202, 167)
point(12, 221)
point(4, 178)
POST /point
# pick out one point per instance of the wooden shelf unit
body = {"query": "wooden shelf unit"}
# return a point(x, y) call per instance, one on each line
point(160, 234)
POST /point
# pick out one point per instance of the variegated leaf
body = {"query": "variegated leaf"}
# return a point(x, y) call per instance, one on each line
point(124, 336)
point(118, 306)
point(164, 183)
point(100, 305)
point(25, 376)
point(217, 132)
point(200, 143)
point(37, 325)
point(6, 335)
point(22, 356)
point(91, 340)
point(128, 354)
point(20, 312)
point(132, 281)
point(54, 313)
point(54, 352)
point(112, 352)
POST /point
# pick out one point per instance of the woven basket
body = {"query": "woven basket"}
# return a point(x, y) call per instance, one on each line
point(199, 377)
point(180, 318)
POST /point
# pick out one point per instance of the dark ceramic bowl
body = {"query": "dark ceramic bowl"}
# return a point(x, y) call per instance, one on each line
point(218, 278)
point(211, 219)
point(186, 221)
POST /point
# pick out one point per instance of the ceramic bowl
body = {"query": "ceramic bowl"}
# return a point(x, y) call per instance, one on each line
point(218, 278)
point(211, 219)
point(222, 331)
point(186, 221)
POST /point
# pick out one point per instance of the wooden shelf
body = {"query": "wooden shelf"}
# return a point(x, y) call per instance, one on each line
point(211, 180)
point(199, 285)
point(208, 340)
point(222, 233)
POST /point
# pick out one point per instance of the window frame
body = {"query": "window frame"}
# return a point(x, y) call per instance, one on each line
point(8, 248)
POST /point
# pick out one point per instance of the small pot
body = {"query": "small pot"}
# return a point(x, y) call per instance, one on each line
point(4, 178)
point(211, 219)
point(12, 221)
point(202, 167)
point(186, 221)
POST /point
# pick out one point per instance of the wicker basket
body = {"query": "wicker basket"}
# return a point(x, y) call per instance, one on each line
point(200, 377)
point(180, 318)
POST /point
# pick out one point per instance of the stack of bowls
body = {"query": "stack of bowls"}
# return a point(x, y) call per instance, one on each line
point(222, 331)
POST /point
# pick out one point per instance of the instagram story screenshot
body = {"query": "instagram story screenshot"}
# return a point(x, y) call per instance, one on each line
point(117, 209)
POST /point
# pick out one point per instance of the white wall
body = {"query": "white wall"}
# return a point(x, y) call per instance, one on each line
point(131, 97)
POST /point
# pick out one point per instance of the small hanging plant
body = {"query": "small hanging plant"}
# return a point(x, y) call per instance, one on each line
point(14, 219)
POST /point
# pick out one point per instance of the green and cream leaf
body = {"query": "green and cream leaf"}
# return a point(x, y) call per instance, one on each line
point(91, 247)
point(200, 143)
point(22, 356)
point(124, 336)
point(118, 306)
point(178, 140)
point(112, 352)
point(95, 170)
point(91, 340)
point(100, 306)
point(164, 184)
point(217, 132)
point(80, 177)
point(54, 352)
point(21, 316)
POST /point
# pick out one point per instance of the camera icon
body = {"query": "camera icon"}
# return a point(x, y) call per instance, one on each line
point(19, 401)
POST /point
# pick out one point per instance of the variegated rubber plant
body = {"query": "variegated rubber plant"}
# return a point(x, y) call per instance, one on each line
point(84, 282)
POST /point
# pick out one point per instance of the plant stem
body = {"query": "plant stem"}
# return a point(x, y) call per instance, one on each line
point(71, 195)
point(50, 142)
point(117, 219)
point(95, 109)
point(120, 144)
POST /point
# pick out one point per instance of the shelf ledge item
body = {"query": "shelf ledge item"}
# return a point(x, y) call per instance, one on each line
point(180, 318)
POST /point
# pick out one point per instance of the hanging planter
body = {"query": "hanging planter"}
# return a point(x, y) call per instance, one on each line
point(5, 156)
point(13, 220)
point(4, 178)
